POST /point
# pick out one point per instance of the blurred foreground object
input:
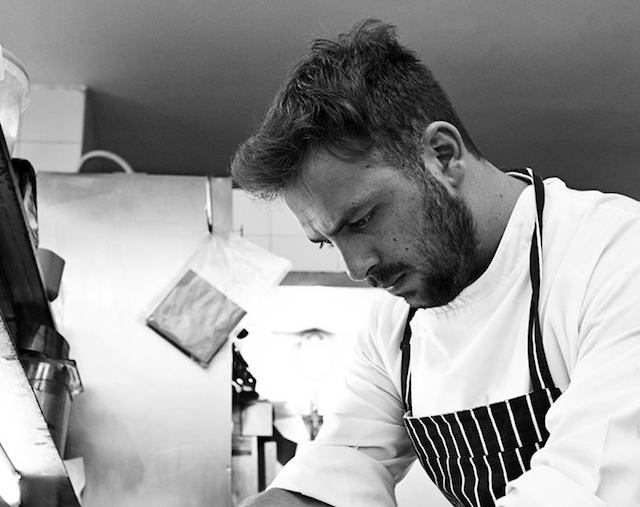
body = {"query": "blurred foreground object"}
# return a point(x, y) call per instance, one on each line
point(15, 92)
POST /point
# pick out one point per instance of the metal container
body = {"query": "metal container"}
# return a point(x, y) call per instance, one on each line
point(54, 378)
point(54, 382)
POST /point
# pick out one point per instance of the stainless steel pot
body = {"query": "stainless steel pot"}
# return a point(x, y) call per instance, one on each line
point(54, 382)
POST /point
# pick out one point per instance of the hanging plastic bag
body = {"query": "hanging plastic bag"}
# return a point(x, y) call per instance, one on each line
point(224, 279)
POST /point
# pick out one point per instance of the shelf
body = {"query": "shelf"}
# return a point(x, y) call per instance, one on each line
point(24, 434)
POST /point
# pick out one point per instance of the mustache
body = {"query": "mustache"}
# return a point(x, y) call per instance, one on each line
point(383, 276)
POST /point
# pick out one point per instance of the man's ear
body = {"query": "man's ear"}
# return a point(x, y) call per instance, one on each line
point(442, 142)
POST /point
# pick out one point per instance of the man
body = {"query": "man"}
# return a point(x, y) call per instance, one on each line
point(507, 358)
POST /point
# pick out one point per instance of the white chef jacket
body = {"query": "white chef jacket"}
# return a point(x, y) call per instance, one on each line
point(473, 351)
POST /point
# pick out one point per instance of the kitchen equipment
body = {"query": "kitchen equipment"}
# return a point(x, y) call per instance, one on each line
point(54, 382)
point(43, 340)
point(14, 95)
point(54, 378)
point(242, 382)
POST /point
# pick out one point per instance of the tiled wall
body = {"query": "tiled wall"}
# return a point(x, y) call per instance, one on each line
point(51, 128)
point(273, 226)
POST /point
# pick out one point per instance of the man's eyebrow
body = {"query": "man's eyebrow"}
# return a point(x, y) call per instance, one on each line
point(344, 220)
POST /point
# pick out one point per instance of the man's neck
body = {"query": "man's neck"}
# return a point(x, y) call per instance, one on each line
point(493, 196)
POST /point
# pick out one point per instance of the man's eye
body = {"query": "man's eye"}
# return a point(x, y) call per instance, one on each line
point(362, 223)
point(324, 243)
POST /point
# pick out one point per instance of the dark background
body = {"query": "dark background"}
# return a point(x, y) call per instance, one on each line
point(176, 86)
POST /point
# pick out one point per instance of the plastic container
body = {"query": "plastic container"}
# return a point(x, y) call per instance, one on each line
point(14, 96)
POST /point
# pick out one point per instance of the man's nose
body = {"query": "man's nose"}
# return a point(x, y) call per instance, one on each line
point(358, 259)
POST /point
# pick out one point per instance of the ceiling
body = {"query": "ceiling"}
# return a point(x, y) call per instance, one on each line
point(176, 86)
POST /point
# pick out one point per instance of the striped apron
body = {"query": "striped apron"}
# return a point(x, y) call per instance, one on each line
point(471, 455)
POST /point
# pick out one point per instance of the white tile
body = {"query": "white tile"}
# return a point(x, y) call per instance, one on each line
point(304, 255)
point(51, 157)
point(55, 113)
point(283, 221)
point(250, 214)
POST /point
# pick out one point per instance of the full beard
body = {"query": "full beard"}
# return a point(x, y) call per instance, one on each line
point(445, 250)
point(449, 243)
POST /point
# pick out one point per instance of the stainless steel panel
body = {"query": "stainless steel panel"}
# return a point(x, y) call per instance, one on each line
point(153, 426)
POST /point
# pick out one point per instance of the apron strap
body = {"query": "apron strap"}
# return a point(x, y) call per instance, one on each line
point(405, 347)
point(538, 367)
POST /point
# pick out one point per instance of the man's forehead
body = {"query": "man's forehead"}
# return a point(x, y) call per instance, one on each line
point(331, 192)
point(317, 176)
point(307, 202)
point(325, 191)
point(327, 178)
point(323, 168)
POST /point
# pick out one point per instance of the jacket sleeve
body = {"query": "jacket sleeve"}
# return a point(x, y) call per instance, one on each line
point(362, 450)
point(592, 457)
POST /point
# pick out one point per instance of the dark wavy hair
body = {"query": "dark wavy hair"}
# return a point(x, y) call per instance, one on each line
point(359, 93)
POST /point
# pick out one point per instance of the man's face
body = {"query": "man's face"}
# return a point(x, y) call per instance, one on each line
point(408, 236)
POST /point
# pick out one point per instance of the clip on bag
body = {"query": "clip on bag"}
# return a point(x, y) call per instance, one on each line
point(221, 282)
